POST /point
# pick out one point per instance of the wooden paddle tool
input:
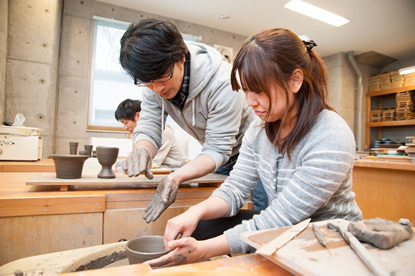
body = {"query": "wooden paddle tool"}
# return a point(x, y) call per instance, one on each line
point(272, 246)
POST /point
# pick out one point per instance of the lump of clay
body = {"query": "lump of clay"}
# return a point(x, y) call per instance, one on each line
point(381, 233)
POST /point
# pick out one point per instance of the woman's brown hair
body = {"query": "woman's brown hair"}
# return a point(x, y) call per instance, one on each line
point(270, 57)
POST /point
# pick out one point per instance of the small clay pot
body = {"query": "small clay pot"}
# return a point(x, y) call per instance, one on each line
point(107, 156)
point(145, 248)
point(69, 166)
point(73, 148)
point(83, 152)
point(88, 148)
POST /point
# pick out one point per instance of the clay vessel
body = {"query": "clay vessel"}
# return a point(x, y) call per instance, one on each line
point(106, 157)
point(145, 248)
point(69, 166)
point(88, 148)
point(73, 148)
point(83, 152)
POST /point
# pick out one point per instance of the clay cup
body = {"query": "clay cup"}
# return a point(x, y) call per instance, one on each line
point(73, 148)
point(106, 157)
point(145, 248)
point(88, 148)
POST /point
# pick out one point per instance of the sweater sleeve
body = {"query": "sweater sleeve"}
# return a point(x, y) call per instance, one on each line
point(243, 178)
point(225, 111)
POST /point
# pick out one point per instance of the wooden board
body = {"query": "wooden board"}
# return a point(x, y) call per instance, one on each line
point(42, 165)
point(50, 204)
point(121, 180)
point(252, 264)
point(304, 255)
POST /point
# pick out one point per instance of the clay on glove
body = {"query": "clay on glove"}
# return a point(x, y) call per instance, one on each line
point(381, 233)
point(164, 197)
point(138, 161)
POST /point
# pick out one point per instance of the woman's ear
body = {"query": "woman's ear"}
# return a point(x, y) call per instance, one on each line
point(296, 80)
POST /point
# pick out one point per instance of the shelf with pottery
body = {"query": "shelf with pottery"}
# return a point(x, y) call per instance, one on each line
point(377, 122)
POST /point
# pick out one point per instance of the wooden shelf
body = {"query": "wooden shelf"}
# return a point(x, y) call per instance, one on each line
point(384, 124)
point(392, 123)
point(390, 91)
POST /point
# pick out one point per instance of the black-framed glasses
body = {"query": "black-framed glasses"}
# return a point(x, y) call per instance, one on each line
point(161, 79)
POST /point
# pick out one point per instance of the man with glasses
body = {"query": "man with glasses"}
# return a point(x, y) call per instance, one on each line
point(191, 83)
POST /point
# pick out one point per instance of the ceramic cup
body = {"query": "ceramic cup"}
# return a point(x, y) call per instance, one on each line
point(145, 248)
point(88, 148)
point(106, 157)
point(69, 166)
point(73, 148)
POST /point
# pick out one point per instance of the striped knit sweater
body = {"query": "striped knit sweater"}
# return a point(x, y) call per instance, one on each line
point(315, 183)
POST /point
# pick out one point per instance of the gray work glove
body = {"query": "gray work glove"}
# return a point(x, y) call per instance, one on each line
point(164, 197)
point(138, 161)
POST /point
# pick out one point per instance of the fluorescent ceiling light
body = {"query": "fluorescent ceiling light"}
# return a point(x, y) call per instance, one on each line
point(407, 70)
point(316, 13)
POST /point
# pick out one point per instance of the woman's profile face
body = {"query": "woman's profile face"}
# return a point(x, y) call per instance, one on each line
point(260, 103)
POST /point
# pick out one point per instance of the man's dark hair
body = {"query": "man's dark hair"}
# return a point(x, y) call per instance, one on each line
point(150, 47)
point(127, 109)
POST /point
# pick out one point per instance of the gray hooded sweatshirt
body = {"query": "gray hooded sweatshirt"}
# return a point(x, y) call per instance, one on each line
point(213, 114)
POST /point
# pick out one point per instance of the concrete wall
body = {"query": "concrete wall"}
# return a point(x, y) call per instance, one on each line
point(3, 54)
point(32, 62)
point(341, 94)
point(399, 64)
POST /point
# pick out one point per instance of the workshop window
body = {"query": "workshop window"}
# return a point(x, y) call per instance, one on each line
point(110, 84)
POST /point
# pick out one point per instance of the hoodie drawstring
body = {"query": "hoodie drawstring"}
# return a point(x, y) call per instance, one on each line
point(162, 122)
point(193, 115)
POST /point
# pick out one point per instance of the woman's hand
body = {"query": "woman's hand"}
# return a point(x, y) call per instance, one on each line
point(187, 250)
point(184, 223)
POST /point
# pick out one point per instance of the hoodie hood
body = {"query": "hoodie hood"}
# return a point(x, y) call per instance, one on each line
point(206, 61)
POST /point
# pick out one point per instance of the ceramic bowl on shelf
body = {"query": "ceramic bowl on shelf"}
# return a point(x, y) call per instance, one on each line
point(145, 248)
point(69, 166)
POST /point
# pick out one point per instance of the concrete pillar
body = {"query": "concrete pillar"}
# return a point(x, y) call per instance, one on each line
point(32, 65)
point(3, 54)
point(341, 88)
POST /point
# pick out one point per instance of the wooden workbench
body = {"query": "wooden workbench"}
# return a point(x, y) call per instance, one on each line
point(385, 189)
point(252, 264)
point(39, 219)
point(42, 165)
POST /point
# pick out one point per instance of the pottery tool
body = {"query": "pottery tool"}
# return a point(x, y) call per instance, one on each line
point(320, 237)
point(359, 249)
point(178, 236)
point(275, 244)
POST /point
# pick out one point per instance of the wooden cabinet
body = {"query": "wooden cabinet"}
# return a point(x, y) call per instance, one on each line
point(385, 189)
point(385, 102)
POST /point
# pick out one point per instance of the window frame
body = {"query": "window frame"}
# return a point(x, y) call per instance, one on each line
point(103, 22)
